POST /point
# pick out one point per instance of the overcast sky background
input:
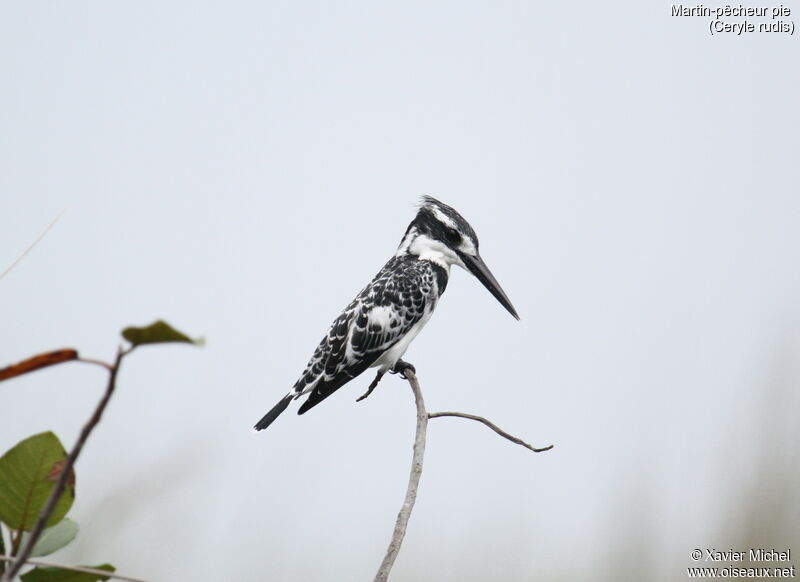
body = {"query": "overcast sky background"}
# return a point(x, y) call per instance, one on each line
point(243, 169)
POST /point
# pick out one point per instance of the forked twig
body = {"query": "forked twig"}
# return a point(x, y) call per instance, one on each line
point(416, 467)
point(66, 470)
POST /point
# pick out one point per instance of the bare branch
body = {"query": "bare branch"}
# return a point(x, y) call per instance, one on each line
point(416, 467)
point(492, 426)
point(82, 569)
point(66, 471)
point(413, 482)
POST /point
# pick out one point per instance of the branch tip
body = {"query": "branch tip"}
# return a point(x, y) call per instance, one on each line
point(492, 426)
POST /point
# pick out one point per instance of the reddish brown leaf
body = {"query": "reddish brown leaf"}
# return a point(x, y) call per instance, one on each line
point(37, 362)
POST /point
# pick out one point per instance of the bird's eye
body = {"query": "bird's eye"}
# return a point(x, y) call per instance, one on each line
point(453, 236)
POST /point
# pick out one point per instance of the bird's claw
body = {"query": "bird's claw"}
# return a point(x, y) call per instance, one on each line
point(401, 367)
point(371, 387)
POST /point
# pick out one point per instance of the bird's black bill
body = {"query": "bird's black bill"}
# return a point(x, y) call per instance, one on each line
point(478, 268)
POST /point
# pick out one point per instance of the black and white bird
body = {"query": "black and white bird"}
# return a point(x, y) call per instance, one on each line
point(377, 327)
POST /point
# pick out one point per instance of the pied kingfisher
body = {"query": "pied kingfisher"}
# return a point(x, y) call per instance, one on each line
point(379, 324)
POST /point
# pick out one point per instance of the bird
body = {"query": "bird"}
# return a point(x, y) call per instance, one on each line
point(376, 328)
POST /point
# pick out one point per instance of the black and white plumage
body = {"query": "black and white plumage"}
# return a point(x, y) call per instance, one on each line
point(376, 328)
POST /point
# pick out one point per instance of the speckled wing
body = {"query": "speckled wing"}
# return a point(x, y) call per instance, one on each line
point(375, 320)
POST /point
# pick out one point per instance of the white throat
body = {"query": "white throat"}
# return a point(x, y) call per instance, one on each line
point(429, 249)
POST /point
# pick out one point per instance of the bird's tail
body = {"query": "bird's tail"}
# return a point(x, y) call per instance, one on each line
point(275, 412)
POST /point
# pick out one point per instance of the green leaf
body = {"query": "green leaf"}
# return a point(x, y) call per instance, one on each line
point(28, 474)
point(158, 332)
point(56, 537)
point(52, 574)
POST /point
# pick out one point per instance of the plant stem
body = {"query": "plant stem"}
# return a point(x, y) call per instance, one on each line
point(55, 495)
point(14, 538)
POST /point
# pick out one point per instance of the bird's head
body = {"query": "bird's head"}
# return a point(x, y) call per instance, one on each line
point(441, 235)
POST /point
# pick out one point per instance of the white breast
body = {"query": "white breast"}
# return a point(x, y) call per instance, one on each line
point(389, 358)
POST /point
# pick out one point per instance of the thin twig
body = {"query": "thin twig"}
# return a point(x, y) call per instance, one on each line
point(100, 363)
point(33, 244)
point(492, 426)
point(66, 471)
point(82, 569)
point(413, 482)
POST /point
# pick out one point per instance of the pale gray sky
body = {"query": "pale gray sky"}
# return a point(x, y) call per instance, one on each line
point(243, 169)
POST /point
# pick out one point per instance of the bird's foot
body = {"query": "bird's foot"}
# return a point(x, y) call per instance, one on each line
point(371, 387)
point(401, 367)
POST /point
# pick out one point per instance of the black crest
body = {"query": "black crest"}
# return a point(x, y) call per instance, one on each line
point(442, 222)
